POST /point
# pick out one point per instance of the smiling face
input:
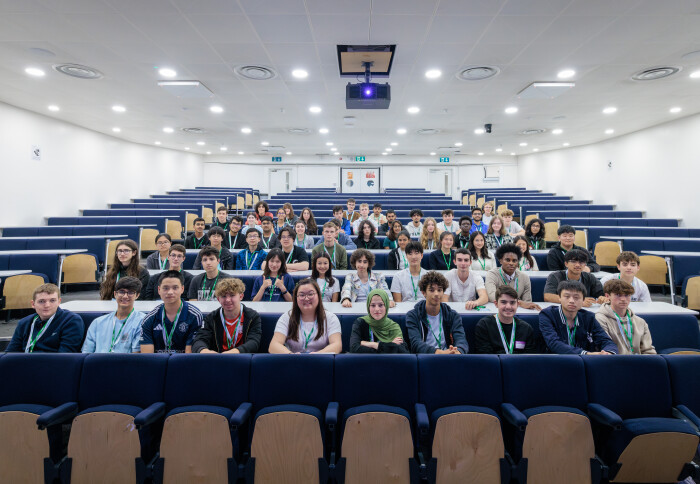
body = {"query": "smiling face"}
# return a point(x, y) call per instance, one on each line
point(251, 220)
point(575, 267)
point(402, 241)
point(261, 210)
point(497, 226)
point(300, 230)
point(221, 215)
point(377, 308)
point(488, 209)
point(230, 302)
point(396, 227)
point(322, 265)
point(567, 240)
point(476, 216)
point(447, 219)
point(199, 228)
point(447, 242)
point(274, 264)
point(522, 245)
point(307, 298)
point(479, 241)
point(507, 306)
point(234, 227)
point(280, 214)
point(535, 228)
point(463, 262)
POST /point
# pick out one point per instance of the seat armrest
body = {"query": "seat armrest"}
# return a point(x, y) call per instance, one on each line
point(58, 415)
point(241, 415)
point(605, 416)
point(332, 415)
point(150, 415)
point(514, 416)
point(684, 413)
point(422, 422)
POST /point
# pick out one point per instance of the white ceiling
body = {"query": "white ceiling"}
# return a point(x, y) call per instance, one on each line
point(605, 41)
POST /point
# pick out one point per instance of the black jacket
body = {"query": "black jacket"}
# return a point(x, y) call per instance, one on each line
point(190, 242)
point(555, 258)
point(417, 328)
point(360, 333)
point(152, 289)
point(211, 335)
point(487, 339)
point(436, 261)
point(372, 244)
point(393, 260)
point(227, 262)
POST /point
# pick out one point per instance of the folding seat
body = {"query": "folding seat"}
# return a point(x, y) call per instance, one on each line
point(377, 395)
point(685, 381)
point(206, 397)
point(545, 399)
point(465, 441)
point(38, 393)
point(640, 441)
point(293, 411)
point(114, 437)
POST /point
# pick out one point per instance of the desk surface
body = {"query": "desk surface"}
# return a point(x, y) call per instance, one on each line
point(39, 252)
point(72, 226)
point(669, 253)
point(42, 237)
point(625, 237)
point(14, 273)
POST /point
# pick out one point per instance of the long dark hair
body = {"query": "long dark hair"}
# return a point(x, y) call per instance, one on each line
point(291, 210)
point(329, 273)
point(528, 230)
point(280, 255)
point(361, 231)
point(311, 224)
point(472, 249)
point(107, 287)
point(526, 254)
point(295, 313)
point(391, 235)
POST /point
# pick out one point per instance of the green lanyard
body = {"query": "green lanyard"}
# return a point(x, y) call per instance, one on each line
point(332, 257)
point(231, 340)
point(232, 245)
point(302, 242)
point(508, 347)
point(536, 245)
point(32, 342)
point(201, 241)
point(168, 338)
point(209, 294)
point(499, 240)
point(114, 323)
point(162, 263)
point(119, 275)
point(438, 338)
point(521, 266)
point(482, 264)
point(629, 331)
point(570, 334)
point(517, 280)
point(448, 262)
point(323, 294)
point(405, 262)
point(307, 337)
point(250, 261)
point(272, 288)
point(415, 289)
point(291, 253)
point(266, 244)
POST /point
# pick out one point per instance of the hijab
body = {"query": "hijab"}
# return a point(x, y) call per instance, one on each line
point(385, 329)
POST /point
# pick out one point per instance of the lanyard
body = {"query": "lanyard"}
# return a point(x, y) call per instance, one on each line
point(508, 347)
point(272, 288)
point(201, 241)
point(482, 264)
point(430, 244)
point(209, 294)
point(266, 243)
point(162, 263)
point(119, 275)
point(248, 262)
point(289, 258)
point(323, 294)
point(571, 334)
point(499, 240)
point(517, 280)
point(448, 262)
point(403, 255)
point(307, 337)
point(415, 288)
point(438, 338)
point(114, 323)
point(302, 243)
point(371, 335)
point(629, 332)
point(168, 338)
point(522, 264)
point(536, 244)
point(32, 342)
point(231, 341)
point(329, 254)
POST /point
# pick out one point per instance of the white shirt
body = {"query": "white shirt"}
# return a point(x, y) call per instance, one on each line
point(488, 263)
point(641, 290)
point(356, 224)
point(514, 227)
point(327, 296)
point(404, 283)
point(414, 231)
point(310, 329)
point(453, 228)
point(486, 219)
point(463, 291)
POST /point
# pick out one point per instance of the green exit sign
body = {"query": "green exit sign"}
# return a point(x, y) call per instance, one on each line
point(444, 159)
point(277, 159)
point(359, 158)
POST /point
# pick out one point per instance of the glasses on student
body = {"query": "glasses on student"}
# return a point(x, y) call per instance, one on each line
point(123, 292)
point(124, 251)
point(176, 256)
point(163, 242)
point(282, 237)
point(306, 295)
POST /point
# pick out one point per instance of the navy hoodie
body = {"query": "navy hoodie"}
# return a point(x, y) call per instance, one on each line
point(417, 327)
point(63, 336)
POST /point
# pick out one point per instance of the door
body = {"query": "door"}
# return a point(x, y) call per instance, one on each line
point(280, 180)
point(440, 181)
point(360, 180)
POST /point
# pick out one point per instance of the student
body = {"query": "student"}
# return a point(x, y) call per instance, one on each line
point(301, 239)
point(404, 285)
point(198, 239)
point(504, 333)
point(364, 215)
point(385, 228)
point(175, 260)
point(527, 262)
point(433, 326)
point(464, 285)
point(513, 228)
point(343, 238)
point(159, 259)
point(463, 236)
point(477, 224)
point(345, 225)
point(575, 261)
point(171, 326)
point(555, 257)
point(396, 260)
point(262, 209)
point(233, 328)
point(203, 286)
point(126, 263)
point(275, 284)
point(390, 241)
point(377, 217)
point(216, 237)
point(627, 330)
point(569, 330)
point(322, 273)
point(442, 259)
point(289, 217)
point(534, 231)
point(487, 213)
point(482, 258)
point(497, 234)
point(307, 327)
point(50, 329)
point(281, 220)
point(234, 238)
point(509, 275)
point(307, 216)
point(447, 224)
point(268, 239)
point(251, 221)
point(429, 235)
point(628, 265)
point(118, 332)
point(350, 214)
point(295, 258)
point(360, 283)
point(376, 333)
point(252, 257)
point(221, 219)
point(365, 236)
point(336, 252)
point(415, 227)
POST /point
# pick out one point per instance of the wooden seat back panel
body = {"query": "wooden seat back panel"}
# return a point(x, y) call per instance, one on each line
point(19, 290)
point(657, 457)
point(79, 268)
point(23, 448)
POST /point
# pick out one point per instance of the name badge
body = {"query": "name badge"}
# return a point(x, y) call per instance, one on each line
point(519, 345)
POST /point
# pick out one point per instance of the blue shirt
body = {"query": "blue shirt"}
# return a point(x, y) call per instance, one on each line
point(273, 293)
point(255, 259)
point(152, 329)
point(482, 227)
point(103, 329)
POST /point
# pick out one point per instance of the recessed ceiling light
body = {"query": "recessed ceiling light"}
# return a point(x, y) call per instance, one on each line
point(300, 73)
point(535, 150)
point(695, 75)
point(388, 149)
point(289, 152)
point(384, 153)
point(334, 149)
point(265, 143)
point(246, 130)
point(566, 74)
point(209, 152)
point(610, 110)
point(674, 110)
point(432, 153)
point(609, 131)
point(118, 109)
point(200, 143)
point(168, 130)
point(565, 144)
point(35, 71)
point(557, 131)
point(433, 73)
point(458, 143)
point(223, 148)
point(523, 144)
point(329, 143)
point(323, 130)
point(512, 154)
point(315, 109)
point(157, 143)
point(401, 131)
point(479, 131)
point(480, 153)
point(394, 143)
point(511, 110)
point(165, 72)
point(216, 109)
point(240, 153)
point(187, 148)
point(54, 108)
point(499, 149)
point(413, 110)
point(117, 130)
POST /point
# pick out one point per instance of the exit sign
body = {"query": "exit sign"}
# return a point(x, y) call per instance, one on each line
point(277, 159)
point(359, 158)
point(444, 159)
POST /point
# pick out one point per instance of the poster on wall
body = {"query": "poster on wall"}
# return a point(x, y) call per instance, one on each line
point(360, 180)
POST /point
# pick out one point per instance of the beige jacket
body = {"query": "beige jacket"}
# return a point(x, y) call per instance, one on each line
point(520, 282)
point(641, 338)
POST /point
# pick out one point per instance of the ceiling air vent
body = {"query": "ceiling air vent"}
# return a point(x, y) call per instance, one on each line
point(79, 71)
point(194, 130)
point(528, 132)
point(255, 73)
point(477, 73)
point(655, 73)
point(428, 131)
point(301, 131)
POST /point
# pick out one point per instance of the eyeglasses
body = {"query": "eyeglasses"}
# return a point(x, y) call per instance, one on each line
point(285, 237)
point(122, 293)
point(163, 242)
point(124, 251)
point(176, 256)
point(306, 295)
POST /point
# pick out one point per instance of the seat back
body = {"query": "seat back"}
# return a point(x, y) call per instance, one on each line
point(684, 371)
point(501, 208)
point(207, 214)
point(148, 239)
point(652, 270)
point(80, 268)
point(550, 234)
point(691, 292)
point(580, 239)
point(18, 290)
point(480, 201)
point(111, 249)
point(189, 223)
point(240, 203)
point(218, 204)
point(530, 217)
point(606, 253)
point(472, 200)
point(174, 229)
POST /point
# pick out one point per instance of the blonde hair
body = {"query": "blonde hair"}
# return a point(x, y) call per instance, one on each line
point(424, 234)
point(46, 289)
point(229, 286)
point(363, 205)
point(503, 230)
point(507, 213)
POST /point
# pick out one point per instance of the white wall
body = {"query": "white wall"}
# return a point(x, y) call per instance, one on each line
point(79, 169)
point(654, 170)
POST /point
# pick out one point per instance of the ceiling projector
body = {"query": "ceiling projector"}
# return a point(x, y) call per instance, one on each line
point(367, 95)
